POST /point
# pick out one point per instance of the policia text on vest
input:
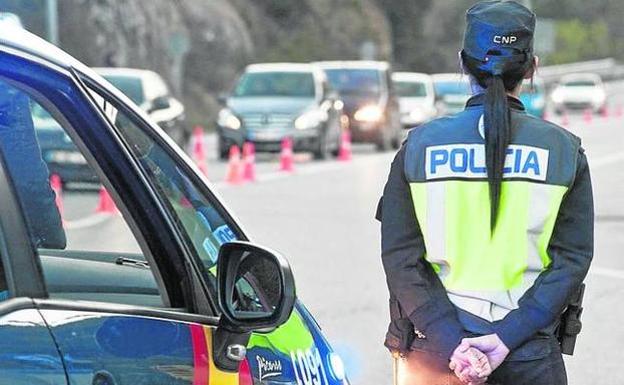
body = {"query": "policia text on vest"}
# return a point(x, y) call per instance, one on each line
point(449, 275)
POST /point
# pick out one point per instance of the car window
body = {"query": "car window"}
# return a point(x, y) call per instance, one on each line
point(410, 89)
point(86, 247)
point(131, 86)
point(454, 87)
point(580, 83)
point(199, 216)
point(292, 84)
point(355, 81)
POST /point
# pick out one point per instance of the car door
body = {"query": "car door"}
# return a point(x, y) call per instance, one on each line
point(28, 354)
point(110, 297)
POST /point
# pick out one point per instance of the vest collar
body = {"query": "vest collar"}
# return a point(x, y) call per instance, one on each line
point(479, 99)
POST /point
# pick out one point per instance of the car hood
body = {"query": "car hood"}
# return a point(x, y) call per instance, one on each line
point(269, 105)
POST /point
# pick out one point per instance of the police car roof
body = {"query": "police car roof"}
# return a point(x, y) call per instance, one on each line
point(354, 64)
point(19, 39)
point(411, 77)
point(35, 48)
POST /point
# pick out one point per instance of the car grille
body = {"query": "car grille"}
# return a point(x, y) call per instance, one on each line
point(274, 121)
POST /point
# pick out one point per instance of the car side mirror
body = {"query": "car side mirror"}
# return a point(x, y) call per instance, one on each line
point(160, 103)
point(256, 290)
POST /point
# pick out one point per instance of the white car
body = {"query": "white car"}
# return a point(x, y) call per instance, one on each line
point(416, 97)
point(579, 91)
point(452, 91)
point(149, 91)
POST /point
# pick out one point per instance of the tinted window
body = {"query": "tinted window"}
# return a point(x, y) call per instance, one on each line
point(292, 84)
point(580, 83)
point(130, 86)
point(410, 89)
point(205, 226)
point(86, 247)
point(355, 81)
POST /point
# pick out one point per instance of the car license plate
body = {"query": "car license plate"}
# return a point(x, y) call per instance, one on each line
point(66, 157)
point(266, 135)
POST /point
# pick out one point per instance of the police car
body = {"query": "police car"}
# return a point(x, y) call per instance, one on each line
point(164, 289)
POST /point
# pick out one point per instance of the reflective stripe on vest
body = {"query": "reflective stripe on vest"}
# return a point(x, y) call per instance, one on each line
point(485, 273)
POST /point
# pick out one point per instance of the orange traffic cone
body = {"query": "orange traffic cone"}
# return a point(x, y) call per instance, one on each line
point(234, 173)
point(57, 187)
point(199, 152)
point(588, 116)
point(287, 161)
point(344, 153)
point(106, 204)
point(605, 112)
point(565, 119)
point(249, 162)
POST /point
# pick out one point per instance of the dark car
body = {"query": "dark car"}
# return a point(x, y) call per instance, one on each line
point(59, 152)
point(370, 103)
point(274, 101)
point(165, 290)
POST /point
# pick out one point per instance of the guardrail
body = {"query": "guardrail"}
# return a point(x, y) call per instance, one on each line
point(608, 69)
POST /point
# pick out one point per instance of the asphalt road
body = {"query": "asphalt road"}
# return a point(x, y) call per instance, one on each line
point(321, 218)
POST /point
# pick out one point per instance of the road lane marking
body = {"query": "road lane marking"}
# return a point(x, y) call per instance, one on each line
point(606, 272)
point(606, 160)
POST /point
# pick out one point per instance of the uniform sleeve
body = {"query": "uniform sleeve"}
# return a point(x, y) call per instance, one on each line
point(570, 249)
point(410, 278)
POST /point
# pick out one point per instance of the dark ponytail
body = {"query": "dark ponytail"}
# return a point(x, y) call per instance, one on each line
point(496, 122)
point(496, 118)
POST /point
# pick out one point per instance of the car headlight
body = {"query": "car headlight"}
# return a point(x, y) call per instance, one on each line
point(557, 97)
point(310, 119)
point(370, 113)
point(599, 98)
point(228, 120)
point(336, 366)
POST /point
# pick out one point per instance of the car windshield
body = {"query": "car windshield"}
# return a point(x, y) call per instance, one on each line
point(410, 89)
point(131, 86)
point(580, 83)
point(355, 81)
point(454, 87)
point(289, 84)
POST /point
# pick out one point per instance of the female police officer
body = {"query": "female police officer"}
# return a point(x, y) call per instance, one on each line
point(487, 222)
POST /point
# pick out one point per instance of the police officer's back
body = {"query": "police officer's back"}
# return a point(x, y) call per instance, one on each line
point(487, 216)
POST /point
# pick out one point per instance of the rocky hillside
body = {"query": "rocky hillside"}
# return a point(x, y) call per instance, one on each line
point(199, 46)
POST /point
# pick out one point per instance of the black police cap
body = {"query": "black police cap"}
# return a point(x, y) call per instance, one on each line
point(497, 31)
